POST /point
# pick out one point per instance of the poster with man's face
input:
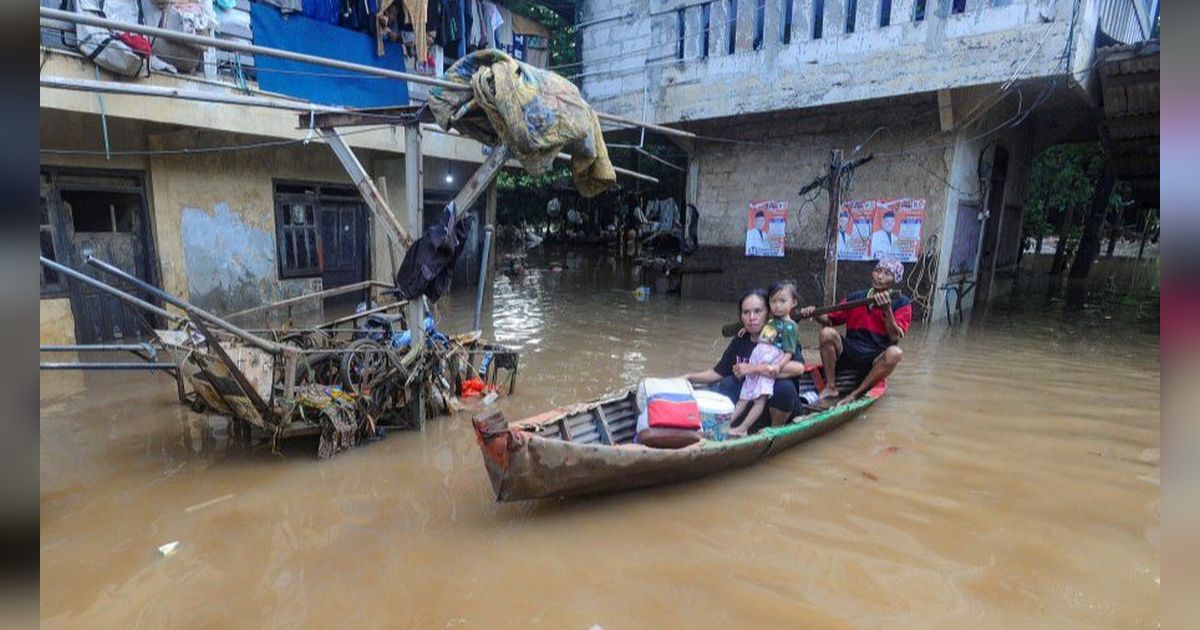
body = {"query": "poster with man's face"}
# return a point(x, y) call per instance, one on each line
point(766, 228)
point(882, 228)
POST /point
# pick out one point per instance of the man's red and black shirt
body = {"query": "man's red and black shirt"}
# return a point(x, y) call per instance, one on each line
point(866, 334)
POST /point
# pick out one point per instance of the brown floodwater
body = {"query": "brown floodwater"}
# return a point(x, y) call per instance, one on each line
point(1010, 478)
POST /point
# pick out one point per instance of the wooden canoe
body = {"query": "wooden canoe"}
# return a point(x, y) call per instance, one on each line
point(589, 448)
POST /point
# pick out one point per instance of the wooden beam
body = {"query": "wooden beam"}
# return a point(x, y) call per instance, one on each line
point(369, 116)
point(480, 180)
point(366, 187)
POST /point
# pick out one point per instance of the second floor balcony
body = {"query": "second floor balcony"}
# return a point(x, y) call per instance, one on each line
point(679, 60)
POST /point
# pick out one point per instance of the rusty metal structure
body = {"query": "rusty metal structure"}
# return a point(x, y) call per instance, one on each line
point(346, 380)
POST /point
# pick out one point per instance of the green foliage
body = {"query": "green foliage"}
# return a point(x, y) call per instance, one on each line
point(1064, 176)
point(522, 198)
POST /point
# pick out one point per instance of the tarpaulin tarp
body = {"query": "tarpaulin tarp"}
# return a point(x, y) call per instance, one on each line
point(318, 84)
point(537, 113)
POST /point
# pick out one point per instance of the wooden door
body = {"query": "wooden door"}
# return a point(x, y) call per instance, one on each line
point(108, 222)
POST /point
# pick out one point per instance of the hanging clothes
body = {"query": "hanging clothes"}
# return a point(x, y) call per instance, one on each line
point(326, 11)
point(478, 38)
point(429, 263)
point(415, 12)
point(358, 15)
point(494, 21)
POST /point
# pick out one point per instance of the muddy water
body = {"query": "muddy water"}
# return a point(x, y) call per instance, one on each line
point(1009, 479)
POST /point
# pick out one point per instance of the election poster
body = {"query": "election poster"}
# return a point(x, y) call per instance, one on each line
point(855, 224)
point(766, 228)
point(874, 229)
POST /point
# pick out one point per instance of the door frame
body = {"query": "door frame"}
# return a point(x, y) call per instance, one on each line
point(84, 179)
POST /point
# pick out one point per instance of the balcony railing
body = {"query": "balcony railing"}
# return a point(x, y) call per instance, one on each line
point(713, 28)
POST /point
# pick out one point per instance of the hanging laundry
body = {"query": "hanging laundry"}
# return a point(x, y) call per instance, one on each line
point(326, 11)
point(429, 264)
point(416, 11)
point(479, 26)
point(494, 21)
point(358, 15)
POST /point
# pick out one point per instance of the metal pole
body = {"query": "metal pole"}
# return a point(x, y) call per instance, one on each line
point(165, 367)
point(483, 275)
point(50, 15)
point(102, 347)
point(414, 183)
point(86, 279)
point(207, 42)
point(113, 87)
point(191, 309)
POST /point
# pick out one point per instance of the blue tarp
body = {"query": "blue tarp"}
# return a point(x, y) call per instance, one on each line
point(314, 83)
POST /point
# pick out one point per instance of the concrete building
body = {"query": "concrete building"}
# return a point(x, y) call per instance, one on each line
point(225, 205)
point(953, 98)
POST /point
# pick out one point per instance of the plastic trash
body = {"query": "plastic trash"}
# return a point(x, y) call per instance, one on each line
point(168, 548)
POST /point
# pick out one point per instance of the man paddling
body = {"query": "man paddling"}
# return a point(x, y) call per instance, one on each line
point(872, 332)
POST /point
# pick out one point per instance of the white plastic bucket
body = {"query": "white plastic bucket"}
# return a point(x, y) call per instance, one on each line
point(716, 413)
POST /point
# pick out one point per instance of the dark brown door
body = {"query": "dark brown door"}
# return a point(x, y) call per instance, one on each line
point(106, 219)
point(343, 245)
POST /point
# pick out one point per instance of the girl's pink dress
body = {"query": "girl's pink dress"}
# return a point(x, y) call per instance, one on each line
point(757, 385)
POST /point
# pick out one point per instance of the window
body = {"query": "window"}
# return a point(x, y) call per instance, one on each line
point(101, 211)
point(851, 14)
point(297, 240)
point(731, 26)
point(885, 12)
point(680, 32)
point(760, 22)
point(786, 28)
point(818, 18)
point(958, 6)
point(705, 24)
point(315, 229)
point(919, 11)
point(51, 282)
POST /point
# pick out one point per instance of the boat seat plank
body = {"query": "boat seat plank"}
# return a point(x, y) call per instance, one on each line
point(602, 424)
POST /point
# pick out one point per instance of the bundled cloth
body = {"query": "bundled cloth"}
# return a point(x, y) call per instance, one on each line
point(537, 113)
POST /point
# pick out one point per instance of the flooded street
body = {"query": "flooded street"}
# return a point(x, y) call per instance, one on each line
point(1022, 489)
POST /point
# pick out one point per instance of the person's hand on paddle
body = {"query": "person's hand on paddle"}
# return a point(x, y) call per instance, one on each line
point(807, 311)
point(883, 300)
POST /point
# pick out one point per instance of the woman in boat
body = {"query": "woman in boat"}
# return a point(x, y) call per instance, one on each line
point(728, 374)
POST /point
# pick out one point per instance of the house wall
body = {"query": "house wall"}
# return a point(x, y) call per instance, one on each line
point(630, 65)
point(57, 322)
point(775, 156)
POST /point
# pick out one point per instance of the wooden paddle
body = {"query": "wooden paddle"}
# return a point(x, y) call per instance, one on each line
point(729, 330)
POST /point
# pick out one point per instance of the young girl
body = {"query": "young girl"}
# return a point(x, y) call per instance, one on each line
point(776, 345)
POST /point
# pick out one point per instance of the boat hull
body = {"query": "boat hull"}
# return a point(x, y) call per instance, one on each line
point(523, 465)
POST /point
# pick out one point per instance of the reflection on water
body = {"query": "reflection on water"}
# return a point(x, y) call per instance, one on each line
point(1010, 478)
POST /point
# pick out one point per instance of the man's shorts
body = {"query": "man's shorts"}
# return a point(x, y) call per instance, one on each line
point(849, 361)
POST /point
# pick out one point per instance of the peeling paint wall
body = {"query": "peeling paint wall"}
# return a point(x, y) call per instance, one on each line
point(215, 218)
point(230, 265)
